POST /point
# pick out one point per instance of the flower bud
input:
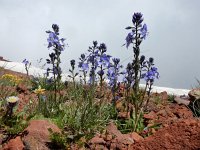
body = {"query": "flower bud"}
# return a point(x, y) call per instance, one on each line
point(151, 60)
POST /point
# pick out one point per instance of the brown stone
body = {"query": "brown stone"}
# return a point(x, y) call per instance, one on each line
point(14, 144)
point(136, 137)
point(164, 96)
point(21, 88)
point(123, 115)
point(150, 116)
point(100, 147)
point(119, 141)
point(112, 129)
point(38, 134)
point(109, 137)
point(97, 140)
point(125, 139)
point(162, 113)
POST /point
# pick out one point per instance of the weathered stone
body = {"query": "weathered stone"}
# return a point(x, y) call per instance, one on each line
point(123, 115)
point(136, 137)
point(119, 140)
point(108, 137)
point(194, 94)
point(112, 129)
point(180, 100)
point(38, 134)
point(164, 96)
point(97, 140)
point(14, 144)
point(150, 116)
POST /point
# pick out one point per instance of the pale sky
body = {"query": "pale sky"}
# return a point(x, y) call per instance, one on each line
point(173, 38)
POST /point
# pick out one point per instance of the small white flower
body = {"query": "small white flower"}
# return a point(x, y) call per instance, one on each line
point(12, 99)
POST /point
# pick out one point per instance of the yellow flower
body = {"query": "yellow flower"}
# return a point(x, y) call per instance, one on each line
point(12, 99)
point(39, 90)
point(12, 78)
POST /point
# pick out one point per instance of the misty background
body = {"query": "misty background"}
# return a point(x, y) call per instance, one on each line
point(173, 39)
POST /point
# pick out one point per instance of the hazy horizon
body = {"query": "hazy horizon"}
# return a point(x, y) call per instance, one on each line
point(172, 40)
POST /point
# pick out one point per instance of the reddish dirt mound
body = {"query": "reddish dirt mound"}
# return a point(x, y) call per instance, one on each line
point(184, 134)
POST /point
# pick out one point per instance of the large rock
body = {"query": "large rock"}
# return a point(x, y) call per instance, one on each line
point(136, 137)
point(195, 101)
point(38, 134)
point(120, 141)
point(14, 144)
point(150, 116)
point(97, 140)
point(194, 94)
point(182, 100)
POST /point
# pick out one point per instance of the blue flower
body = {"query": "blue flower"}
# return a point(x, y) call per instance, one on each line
point(129, 39)
point(113, 73)
point(56, 70)
point(151, 75)
point(116, 61)
point(95, 43)
point(55, 28)
point(85, 67)
point(143, 31)
point(137, 18)
point(82, 56)
point(25, 61)
point(72, 62)
point(100, 72)
point(103, 47)
point(104, 60)
point(112, 76)
point(53, 39)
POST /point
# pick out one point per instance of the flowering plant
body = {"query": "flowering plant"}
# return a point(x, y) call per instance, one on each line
point(39, 90)
point(12, 102)
point(139, 68)
point(57, 45)
point(27, 65)
point(11, 78)
point(73, 74)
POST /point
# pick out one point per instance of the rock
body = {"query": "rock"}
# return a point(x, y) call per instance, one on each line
point(109, 137)
point(150, 116)
point(21, 88)
point(38, 134)
point(183, 101)
point(97, 140)
point(164, 96)
point(101, 147)
point(194, 94)
point(183, 112)
point(14, 144)
point(136, 137)
point(119, 140)
point(112, 129)
point(124, 139)
point(123, 115)
point(162, 113)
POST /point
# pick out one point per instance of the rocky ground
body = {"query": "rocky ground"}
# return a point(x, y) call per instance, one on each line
point(169, 125)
